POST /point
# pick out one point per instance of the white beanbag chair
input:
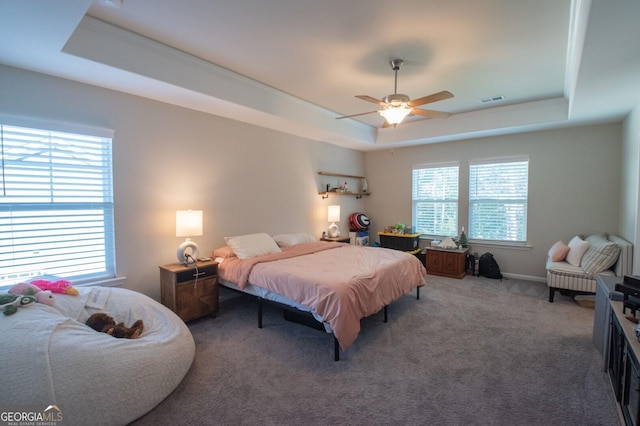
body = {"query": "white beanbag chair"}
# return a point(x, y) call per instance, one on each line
point(50, 357)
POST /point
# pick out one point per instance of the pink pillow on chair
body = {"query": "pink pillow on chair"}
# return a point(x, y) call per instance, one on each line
point(558, 252)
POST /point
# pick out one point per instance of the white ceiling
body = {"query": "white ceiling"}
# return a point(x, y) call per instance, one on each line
point(295, 65)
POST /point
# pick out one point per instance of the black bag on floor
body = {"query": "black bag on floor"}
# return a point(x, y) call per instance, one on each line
point(470, 264)
point(488, 267)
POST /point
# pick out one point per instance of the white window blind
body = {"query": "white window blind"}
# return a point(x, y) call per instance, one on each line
point(498, 200)
point(435, 200)
point(56, 206)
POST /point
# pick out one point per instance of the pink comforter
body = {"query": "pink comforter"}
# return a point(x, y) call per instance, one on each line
point(341, 282)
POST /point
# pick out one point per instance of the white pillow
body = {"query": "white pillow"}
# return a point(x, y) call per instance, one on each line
point(577, 248)
point(246, 246)
point(286, 240)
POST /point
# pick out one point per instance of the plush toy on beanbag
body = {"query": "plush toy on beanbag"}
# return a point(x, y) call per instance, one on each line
point(9, 303)
point(59, 286)
point(106, 324)
point(28, 289)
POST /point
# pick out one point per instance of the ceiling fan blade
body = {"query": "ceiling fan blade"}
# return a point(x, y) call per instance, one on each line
point(370, 99)
point(355, 115)
point(430, 113)
point(431, 98)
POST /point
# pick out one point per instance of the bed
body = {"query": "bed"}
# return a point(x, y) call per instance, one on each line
point(336, 284)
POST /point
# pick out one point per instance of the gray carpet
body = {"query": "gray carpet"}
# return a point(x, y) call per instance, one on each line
point(474, 351)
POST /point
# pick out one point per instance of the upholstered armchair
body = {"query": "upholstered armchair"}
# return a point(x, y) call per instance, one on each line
point(574, 267)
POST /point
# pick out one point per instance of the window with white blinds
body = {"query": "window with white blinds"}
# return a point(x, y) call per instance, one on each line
point(498, 193)
point(435, 200)
point(56, 206)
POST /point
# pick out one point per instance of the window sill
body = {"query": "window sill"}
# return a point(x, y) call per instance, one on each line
point(486, 243)
point(108, 282)
point(502, 244)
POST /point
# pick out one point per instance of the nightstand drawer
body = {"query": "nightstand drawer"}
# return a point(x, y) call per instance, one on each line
point(201, 273)
point(191, 291)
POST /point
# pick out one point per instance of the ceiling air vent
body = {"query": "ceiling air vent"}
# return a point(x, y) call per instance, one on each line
point(114, 4)
point(492, 99)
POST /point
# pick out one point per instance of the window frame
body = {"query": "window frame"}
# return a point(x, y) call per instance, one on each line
point(438, 233)
point(13, 270)
point(523, 201)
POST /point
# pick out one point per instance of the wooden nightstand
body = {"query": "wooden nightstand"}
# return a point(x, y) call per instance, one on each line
point(337, 239)
point(190, 291)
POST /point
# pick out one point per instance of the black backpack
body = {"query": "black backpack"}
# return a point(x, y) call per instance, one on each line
point(488, 267)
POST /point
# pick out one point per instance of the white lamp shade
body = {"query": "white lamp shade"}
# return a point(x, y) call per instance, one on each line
point(395, 115)
point(188, 223)
point(333, 214)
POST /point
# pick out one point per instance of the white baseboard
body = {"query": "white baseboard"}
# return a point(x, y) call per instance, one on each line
point(525, 277)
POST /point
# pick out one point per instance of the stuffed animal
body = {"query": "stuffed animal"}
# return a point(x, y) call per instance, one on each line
point(60, 286)
point(42, 296)
point(106, 324)
point(9, 303)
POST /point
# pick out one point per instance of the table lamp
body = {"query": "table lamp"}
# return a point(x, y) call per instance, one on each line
point(333, 216)
point(188, 224)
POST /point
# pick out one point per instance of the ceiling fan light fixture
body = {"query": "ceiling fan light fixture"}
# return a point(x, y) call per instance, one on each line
point(397, 100)
point(397, 106)
point(395, 115)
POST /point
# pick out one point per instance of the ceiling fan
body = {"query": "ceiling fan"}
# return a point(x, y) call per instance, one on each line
point(397, 106)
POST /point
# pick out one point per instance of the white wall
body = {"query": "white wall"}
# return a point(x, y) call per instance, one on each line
point(630, 188)
point(248, 179)
point(574, 181)
point(166, 158)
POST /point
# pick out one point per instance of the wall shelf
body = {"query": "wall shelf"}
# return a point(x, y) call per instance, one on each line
point(340, 175)
point(325, 194)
